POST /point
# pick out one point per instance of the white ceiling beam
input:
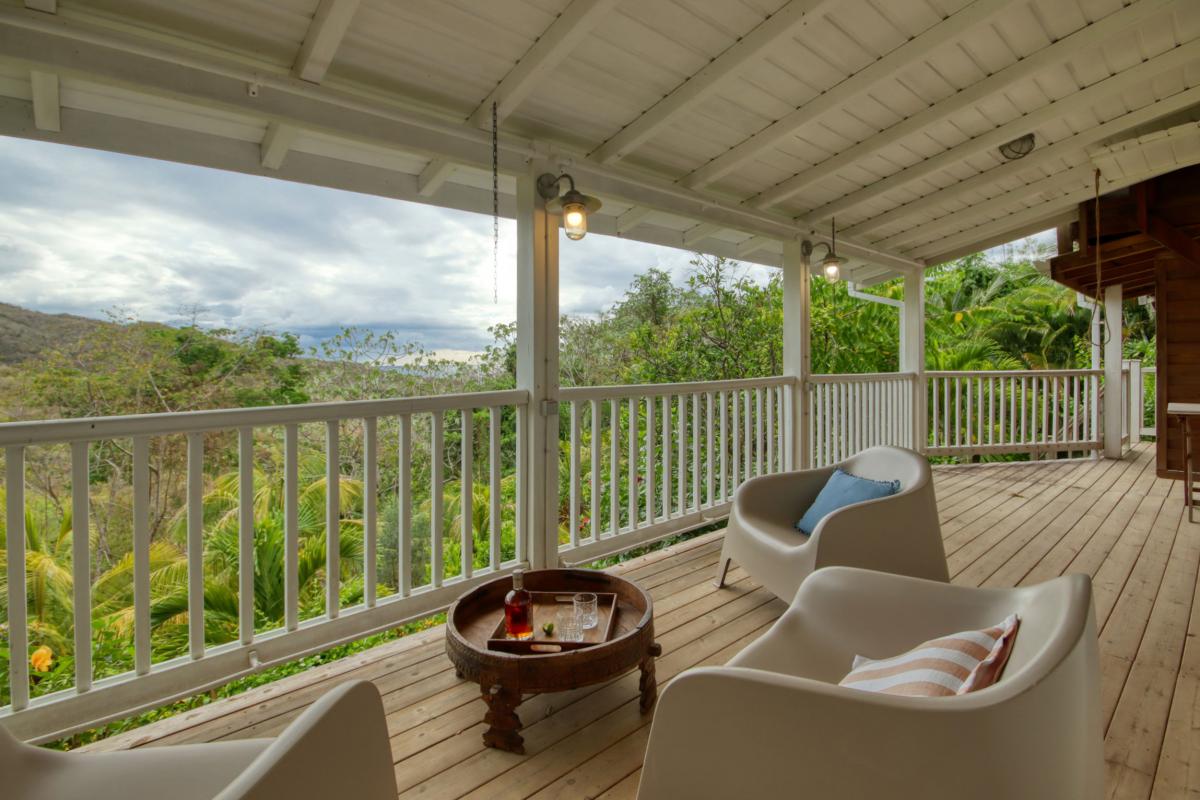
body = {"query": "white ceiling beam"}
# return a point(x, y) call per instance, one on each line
point(275, 144)
point(699, 233)
point(325, 33)
point(48, 6)
point(1043, 155)
point(1106, 89)
point(910, 52)
point(1063, 50)
point(784, 22)
point(47, 114)
point(1032, 216)
point(434, 176)
point(570, 27)
point(632, 218)
point(998, 235)
point(133, 61)
point(1058, 183)
point(752, 245)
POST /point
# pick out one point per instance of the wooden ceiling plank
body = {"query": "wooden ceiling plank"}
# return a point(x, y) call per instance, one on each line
point(557, 42)
point(1104, 90)
point(784, 22)
point(1057, 53)
point(907, 54)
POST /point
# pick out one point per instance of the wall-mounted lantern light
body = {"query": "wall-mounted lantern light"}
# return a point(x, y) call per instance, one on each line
point(832, 264)
point(574, 205)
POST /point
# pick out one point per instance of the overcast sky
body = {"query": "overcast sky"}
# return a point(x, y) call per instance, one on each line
point(83, 231)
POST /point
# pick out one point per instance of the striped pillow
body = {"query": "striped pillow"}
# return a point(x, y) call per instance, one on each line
point(951, 665)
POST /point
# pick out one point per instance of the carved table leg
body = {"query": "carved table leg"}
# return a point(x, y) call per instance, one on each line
point(502, 719)
point(648, 685)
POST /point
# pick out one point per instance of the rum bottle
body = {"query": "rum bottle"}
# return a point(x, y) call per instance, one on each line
point(518, 609)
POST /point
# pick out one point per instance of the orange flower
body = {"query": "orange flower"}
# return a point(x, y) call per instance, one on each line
point(41, 659)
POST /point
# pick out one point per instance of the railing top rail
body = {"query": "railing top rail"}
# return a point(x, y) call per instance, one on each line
point(1013, 373)
point(89, 429)
point(862, 377)
point(659, 389)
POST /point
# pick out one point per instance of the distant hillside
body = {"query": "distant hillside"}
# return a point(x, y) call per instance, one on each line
point(25, 333)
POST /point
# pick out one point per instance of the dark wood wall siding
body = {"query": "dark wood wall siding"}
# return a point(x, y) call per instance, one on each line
point(1177, 301)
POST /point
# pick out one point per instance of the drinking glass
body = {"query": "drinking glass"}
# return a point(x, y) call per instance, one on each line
point(586, 610)
point(569, 627)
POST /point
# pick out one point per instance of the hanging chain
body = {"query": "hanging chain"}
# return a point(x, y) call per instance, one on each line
point(495, 208)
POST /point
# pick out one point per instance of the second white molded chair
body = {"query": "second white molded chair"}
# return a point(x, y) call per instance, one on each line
point(774, 723)
point(898, 534)
point(337, 748)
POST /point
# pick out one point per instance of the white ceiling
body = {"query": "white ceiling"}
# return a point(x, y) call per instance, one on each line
point(721, 125)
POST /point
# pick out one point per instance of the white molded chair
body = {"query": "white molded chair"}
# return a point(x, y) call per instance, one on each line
point(337, 748)
point(898, 534)
point(774, 723)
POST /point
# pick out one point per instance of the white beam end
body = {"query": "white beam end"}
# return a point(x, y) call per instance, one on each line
point(46, 107)
point(434, 176)
point(276, 143)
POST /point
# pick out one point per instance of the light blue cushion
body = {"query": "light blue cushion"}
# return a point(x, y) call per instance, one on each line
point(841, 490)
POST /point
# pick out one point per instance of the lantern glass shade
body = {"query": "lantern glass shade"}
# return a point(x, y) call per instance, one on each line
point(832, 266)
point(574, 216)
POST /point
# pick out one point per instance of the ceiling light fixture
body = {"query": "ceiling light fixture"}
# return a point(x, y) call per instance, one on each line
point(832, 264)
point(1017, 148)
point(574, 205)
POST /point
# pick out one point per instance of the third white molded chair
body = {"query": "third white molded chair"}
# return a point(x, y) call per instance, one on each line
point(775, 723)
point(337, 748)
point(898, 534)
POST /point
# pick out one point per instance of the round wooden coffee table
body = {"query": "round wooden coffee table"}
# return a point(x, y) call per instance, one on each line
point(504, 677)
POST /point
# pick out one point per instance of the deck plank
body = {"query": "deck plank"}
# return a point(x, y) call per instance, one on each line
point(1012, 524)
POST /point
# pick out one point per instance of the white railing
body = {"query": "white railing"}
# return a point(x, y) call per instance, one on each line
point(151, 681)
point(1147, 391)
point(668, 459)
point(849, 413)
point(1018, 411)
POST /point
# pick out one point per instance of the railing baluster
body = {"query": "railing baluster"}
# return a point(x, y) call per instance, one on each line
point(18, 630)
point(631, 463)
point(246, 534)
point(436, 495)
point(333, 520)
point(81, 573)
point(404, 502)
point(735, 455)
point(595, 481)
point(466, 492)
point(370, 508)
point(758, 431)
point(291, 528)
point(666, 459)
point(708, 447)
point(574, 498)
point(614, 466)
point(1045, 409)
point(681, 454)
point(522, 459)
point(748, 433)
point(1054, 408)
point(724, 484)
point(651, 414)
point(141, 554)
point(495, 475)
point(696, 450)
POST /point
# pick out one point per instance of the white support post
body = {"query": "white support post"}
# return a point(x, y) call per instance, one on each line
point(912, 353)
point(797, 289)
point(1112, 371)
point(537, 362)
point(1136, 402)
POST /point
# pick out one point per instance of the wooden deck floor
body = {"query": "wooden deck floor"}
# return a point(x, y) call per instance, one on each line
point(1003, 525)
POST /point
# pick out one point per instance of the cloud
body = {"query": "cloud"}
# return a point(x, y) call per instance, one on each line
point(85, 231)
